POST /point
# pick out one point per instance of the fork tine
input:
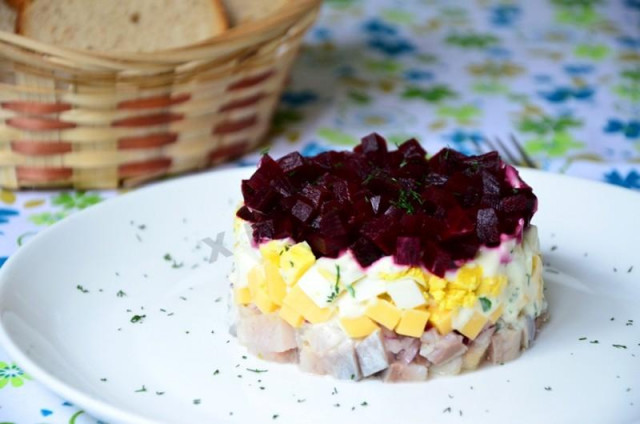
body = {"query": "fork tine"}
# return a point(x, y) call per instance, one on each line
point(490, 144)
point(525, 156)
point(510, 157)
point(477, 146)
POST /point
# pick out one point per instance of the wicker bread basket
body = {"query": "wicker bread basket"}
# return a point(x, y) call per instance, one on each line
point(102, 120)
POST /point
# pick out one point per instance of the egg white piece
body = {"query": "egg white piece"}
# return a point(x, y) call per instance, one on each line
point(405, 293)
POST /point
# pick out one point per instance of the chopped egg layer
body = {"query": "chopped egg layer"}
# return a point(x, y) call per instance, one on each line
point(284, 277)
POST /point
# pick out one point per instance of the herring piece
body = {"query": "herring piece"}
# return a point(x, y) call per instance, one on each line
point(325, 349)
point(505, 345)
point(399, 372)
point(342, 361)
point(264, 334)
point(528, 326)
point(451, 367)
point(404, 348)
point(310, 361)
point(372, 355)
point(440, 349)
point(321, 337)
point(478, 349)
point(286, 357)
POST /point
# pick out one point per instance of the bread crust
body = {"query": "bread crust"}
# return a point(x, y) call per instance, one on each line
point(16, 4)
point(220, 17)
point(219, 24)
point(11, 7)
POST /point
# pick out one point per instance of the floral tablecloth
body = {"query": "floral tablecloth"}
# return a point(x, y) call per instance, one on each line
point(563, 76)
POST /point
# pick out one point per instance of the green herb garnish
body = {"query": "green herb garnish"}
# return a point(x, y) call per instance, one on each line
point(369, 178)
point(264, 151)
point(82, 289)
point(336, 288)
point(405, 200)
point(351, 290)
point(256, 370)
point(485, 303)
point(137, 318)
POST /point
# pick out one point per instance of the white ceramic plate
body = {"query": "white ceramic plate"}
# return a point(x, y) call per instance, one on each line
point(68, 298)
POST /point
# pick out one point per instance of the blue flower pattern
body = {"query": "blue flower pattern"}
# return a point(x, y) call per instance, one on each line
point(630, 129)
point(630, 180)
point(384, 38)
point(6, 214)
point(505, 15)
point(465, 141)
point(298, 98)
point(563, 94)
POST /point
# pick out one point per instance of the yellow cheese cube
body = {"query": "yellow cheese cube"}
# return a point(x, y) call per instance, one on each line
point(296, 261)
point(256, 280)
point(472, 328)
point(258, 290)
point(272, 250)
point(536, 264)
point(441, 319)
point(241, 295)
point(536, 277)
point(412, 322)
point(496, 314)
point(297, 300)
point(292, 317)
point(264, 303)
point(358, 327)
point(276, 288)
point(384, 313)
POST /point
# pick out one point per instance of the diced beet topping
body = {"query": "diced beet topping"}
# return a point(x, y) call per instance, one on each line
point(433, 212)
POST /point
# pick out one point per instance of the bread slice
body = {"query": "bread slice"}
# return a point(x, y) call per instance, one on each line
point(16, 4)
point(122, 25)
point(7, 17)
point(241, 11)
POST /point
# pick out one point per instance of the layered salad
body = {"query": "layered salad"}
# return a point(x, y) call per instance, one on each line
point(387, 263)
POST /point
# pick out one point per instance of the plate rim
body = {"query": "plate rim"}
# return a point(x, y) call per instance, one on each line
point(101, 408)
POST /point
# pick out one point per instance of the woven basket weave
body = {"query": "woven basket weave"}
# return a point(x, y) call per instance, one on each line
point(103, 120)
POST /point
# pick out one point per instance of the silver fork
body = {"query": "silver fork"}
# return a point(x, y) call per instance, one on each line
point(515, 155)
